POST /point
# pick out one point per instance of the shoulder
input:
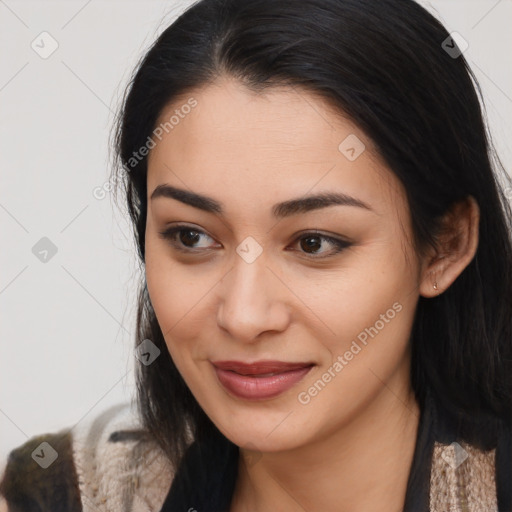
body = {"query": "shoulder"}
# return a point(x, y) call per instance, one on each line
point(118, 466)
point(104, 462)
point(463, 475)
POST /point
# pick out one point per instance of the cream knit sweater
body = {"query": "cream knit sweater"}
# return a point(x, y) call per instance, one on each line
point(126, 476)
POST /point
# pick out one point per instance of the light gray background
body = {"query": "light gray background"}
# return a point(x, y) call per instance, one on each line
point(66, 329)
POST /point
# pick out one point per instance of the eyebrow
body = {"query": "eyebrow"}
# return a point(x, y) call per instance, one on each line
point(279, 210)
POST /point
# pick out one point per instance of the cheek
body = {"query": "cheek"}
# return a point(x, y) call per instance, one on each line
point(170, 292)
point(368, 355)
point(350, 300)
point(368, 314)
point(179, 296)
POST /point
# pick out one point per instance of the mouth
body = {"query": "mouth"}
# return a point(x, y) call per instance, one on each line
point(259, 380)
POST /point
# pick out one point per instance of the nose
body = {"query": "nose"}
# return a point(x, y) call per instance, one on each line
point(253, 301)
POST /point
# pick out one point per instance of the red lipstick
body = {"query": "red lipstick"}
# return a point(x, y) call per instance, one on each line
point(261, 379)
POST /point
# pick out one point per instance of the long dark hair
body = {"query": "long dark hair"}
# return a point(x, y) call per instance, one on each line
point(385, 64)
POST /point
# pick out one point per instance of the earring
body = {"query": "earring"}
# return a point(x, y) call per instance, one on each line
point(435, 285)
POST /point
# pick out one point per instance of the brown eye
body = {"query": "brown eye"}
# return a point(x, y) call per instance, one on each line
point(188, 236)
point(312, 243)
point(185, 238)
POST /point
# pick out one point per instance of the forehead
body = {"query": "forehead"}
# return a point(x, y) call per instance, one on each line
point(274, 120)
point(277, 144)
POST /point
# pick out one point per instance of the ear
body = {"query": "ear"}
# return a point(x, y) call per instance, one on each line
point(457, 242)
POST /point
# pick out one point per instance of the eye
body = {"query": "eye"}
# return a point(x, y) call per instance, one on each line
point(184, 238)
point(311, 243)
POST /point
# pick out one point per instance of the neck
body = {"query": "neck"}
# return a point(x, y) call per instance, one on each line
point(363, 466)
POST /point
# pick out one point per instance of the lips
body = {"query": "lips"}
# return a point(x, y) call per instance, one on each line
point(259, 368)
point(259, 380)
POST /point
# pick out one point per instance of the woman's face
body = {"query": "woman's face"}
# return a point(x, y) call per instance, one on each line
point(259, 272)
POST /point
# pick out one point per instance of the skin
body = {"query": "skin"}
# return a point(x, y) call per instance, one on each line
point(350, 447)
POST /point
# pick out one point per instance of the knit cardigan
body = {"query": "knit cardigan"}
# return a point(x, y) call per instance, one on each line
point(108, 464)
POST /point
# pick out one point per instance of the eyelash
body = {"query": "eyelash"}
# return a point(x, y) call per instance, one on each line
point(170, 233)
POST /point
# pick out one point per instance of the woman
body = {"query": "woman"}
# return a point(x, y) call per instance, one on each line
point(326, 309)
